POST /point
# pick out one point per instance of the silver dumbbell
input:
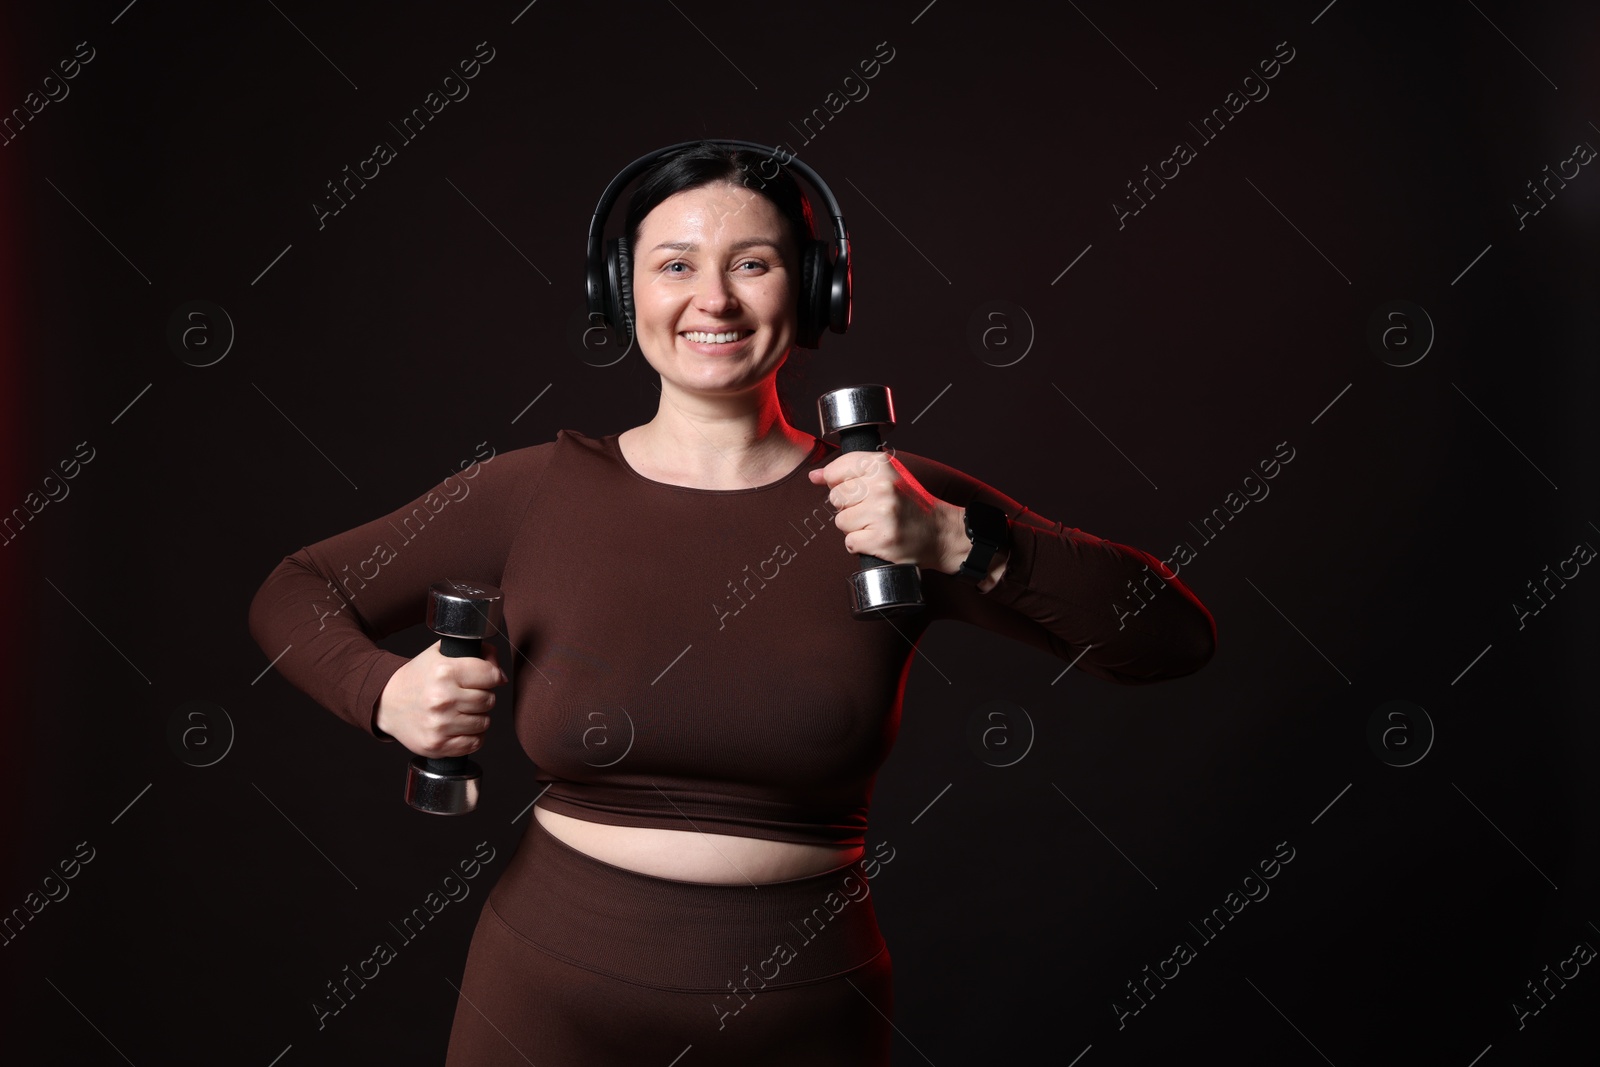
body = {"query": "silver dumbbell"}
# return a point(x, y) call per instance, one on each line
point(462, 614)
point(879, 588)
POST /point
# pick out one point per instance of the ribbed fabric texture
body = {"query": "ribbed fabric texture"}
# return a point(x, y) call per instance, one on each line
point(686, 658)
point(610, 920)
point(576, 961)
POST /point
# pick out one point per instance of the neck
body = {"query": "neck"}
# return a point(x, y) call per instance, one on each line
point(735, 439)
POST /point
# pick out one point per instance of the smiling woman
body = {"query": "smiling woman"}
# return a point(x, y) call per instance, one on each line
point(649, 886)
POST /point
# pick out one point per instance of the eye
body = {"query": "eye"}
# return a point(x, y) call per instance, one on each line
point(675, 263)
point(758, 264)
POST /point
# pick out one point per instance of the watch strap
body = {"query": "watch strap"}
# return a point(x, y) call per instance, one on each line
point(990, 532)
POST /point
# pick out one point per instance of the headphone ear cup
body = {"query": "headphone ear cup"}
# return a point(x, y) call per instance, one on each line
point(814, 277)
point(619, 292)
point(837, 300)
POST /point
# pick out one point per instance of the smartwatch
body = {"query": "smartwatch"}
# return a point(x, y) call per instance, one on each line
point(990, 532)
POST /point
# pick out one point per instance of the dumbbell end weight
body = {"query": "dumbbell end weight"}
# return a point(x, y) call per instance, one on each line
point(886, 590)
point(443, 786)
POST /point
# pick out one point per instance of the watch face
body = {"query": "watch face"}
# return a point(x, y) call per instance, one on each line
point(987, 523)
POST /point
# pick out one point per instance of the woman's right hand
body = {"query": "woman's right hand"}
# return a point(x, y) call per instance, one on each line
point(438, 706)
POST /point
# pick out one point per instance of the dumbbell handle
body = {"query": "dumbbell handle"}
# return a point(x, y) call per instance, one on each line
point(863, 439)
point(455, 648)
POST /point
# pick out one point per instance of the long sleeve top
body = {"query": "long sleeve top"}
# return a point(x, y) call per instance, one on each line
point(688, 656)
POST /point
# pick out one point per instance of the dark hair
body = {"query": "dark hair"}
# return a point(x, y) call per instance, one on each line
point(707, 163)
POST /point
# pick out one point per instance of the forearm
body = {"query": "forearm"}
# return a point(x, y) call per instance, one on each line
point(1140, 621)
point(315, 640)
point(322, 610)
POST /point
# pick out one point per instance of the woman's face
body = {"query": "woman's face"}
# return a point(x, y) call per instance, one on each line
point(710, 262)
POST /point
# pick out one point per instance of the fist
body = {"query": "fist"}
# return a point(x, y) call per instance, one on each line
point(885, 512)
point(438, 706)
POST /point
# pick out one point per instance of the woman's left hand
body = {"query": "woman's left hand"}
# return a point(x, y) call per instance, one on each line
point(885, 512)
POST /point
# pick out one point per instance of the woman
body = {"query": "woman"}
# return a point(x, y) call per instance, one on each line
point(694, 874)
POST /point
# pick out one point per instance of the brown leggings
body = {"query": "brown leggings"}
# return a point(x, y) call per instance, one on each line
point(576, 962)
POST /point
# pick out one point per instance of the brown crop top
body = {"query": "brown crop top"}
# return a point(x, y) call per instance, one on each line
point(687, 656)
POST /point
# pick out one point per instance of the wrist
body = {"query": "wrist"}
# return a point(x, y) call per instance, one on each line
point(996, 569)
point(953, 540)
point(957, 546)
point(986, 538)
point(377, 719)
point(377, 724)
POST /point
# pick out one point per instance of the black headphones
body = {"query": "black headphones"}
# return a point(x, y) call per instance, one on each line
point(824, 298)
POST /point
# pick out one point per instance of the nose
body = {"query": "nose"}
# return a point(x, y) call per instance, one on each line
point(715, 294)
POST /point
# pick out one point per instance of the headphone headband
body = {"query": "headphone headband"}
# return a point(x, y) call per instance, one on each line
point(595, 281)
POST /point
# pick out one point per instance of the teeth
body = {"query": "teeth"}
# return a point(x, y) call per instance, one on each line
point(714, 338)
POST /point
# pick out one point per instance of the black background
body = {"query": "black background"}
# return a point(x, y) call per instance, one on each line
point(1178, 351)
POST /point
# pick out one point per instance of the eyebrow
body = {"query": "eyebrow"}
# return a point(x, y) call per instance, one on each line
point(739, 246)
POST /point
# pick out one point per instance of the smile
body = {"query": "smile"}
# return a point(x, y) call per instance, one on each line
point(702, 338)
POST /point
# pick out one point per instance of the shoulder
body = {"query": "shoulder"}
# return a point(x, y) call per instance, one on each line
point(518, 469)
point(530, 457)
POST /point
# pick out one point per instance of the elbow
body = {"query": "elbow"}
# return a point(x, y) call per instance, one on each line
point(265, 618)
